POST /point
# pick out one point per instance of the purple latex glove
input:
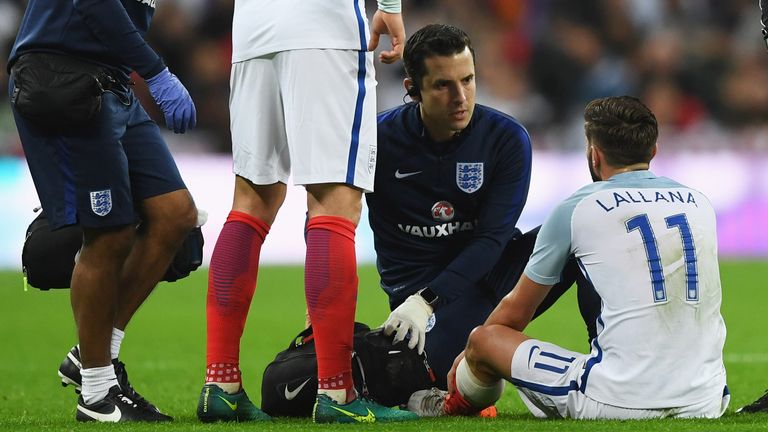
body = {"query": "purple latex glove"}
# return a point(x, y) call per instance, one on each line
point(174, 100)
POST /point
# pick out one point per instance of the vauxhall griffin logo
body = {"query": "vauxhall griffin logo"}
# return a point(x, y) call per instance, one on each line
point(443, 211)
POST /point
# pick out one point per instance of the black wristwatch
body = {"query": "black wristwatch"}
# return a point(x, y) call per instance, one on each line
point(428, 295)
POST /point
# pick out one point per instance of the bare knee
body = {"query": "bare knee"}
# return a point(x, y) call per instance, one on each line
point(490, 349)
point(335, 200)
point(261, 201)
point(479, 340)
point(171, 216)
point(182, 216)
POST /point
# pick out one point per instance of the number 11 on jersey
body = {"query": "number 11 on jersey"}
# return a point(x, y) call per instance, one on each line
point(679, 221)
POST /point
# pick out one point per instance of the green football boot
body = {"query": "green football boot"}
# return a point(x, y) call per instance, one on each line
point(217, 405)
point(359, 410)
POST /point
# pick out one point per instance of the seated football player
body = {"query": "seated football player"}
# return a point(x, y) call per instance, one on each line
point(452, 178)
point(649, 245)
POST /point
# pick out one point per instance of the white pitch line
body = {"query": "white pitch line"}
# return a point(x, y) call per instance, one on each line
point(745, 358)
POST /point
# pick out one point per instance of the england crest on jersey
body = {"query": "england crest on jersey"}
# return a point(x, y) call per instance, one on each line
point(101, 202)
point(469, 176)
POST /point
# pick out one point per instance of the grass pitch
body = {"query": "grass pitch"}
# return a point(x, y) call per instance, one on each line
point(165, 353)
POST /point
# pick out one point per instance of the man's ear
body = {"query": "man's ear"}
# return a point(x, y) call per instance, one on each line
point(597, 160)
point(596, 157)
point(412, 89)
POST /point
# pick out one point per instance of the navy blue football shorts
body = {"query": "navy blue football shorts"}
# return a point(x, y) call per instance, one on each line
point(97, 176)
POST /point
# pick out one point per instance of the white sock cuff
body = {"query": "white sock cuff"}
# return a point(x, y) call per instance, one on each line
point(97, 382)
point(474, 391)
point(117, 340)
point(339, 396)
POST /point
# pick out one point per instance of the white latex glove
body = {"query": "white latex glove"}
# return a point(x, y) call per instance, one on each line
point(411, 316)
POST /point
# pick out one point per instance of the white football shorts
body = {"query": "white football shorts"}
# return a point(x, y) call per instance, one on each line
point(310, 113)
point(547, 377)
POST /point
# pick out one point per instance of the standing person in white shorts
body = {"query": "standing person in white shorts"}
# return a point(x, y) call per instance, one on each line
point(303, 101)
point(649, 246)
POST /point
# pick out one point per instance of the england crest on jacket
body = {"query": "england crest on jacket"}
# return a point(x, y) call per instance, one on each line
point(469, 176)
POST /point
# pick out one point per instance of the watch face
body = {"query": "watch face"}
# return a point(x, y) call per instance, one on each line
point(428, 295)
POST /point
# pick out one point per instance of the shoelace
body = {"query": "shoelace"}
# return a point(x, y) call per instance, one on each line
point(125, 386)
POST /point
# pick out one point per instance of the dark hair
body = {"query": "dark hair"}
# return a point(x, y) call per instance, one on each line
point(623, 128)
point(432, 40)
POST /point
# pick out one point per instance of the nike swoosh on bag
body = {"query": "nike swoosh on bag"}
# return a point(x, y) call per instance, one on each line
point(113, 417)
point(399, 175)
point(289, 395)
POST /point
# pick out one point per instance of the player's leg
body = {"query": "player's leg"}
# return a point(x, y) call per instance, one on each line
point(329, 98)
point(95, 282)
point(330, 283)
point(261, 167)
point(331, 291)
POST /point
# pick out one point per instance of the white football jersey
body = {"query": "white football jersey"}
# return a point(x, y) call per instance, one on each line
point(261, 27)
point(649, 246)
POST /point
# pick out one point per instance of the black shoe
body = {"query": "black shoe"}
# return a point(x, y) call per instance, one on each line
point(117, 407)
point(760, 405)
point(69, 372)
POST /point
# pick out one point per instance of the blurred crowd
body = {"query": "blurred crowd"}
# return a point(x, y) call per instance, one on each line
point(701, 65)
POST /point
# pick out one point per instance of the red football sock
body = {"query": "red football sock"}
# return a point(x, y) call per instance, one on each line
point(223, 373)
point(456, 405)
point(231, 284)
point(330, 282)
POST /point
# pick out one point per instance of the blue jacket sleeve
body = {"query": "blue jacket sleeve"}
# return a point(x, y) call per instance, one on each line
point(113, 27)
point(496, 223)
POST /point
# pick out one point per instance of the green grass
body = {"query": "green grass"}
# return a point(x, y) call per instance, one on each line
point(165, 351)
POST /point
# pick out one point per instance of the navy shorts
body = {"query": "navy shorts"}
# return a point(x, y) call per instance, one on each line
point(96, 177)
point(449, 328)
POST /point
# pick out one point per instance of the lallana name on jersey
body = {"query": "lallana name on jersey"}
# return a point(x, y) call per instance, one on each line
point(647, 196)
point(441, 230)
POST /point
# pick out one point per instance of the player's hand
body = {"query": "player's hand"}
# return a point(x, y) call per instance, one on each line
point(411, 316)
point(452, 373)
point(174, 100)
point(391, 24)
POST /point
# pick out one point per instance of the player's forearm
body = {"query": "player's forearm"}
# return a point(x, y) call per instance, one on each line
point(111, 24)
point(510, 314)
